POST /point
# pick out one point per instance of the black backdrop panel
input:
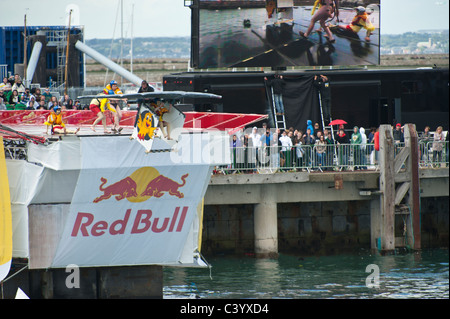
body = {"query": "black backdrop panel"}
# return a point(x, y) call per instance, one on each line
point(301, 102)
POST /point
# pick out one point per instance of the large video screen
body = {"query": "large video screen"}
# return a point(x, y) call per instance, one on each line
point(282, 33)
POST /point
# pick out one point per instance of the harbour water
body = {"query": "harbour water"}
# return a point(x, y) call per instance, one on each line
point(423, 275)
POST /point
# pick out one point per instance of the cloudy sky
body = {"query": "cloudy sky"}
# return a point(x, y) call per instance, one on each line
point(102, 18)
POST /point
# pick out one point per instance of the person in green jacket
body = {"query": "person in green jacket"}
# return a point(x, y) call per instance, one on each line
point(356, 141)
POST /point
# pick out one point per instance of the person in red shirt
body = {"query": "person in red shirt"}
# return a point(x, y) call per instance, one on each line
point(376, 140)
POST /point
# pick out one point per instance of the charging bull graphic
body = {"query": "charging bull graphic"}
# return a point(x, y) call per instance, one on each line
point(163, 184)
point(142, 184)
point(122, 189)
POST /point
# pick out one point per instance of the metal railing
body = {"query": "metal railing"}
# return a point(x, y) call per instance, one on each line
point(433, 153)
point(15, 149)
point(321, 157)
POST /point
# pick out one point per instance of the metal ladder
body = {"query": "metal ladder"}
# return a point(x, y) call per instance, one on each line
point(279, 119)
point(327, 127)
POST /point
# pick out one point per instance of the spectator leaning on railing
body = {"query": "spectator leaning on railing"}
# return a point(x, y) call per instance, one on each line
point(356, 141)
point(438, 143)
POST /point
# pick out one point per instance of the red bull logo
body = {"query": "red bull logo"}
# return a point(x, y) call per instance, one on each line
point(142, 184)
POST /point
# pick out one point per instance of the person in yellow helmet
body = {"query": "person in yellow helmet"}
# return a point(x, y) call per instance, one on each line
point(54, 120)
point(98, 106)
point(113, 88)
point(360, 20)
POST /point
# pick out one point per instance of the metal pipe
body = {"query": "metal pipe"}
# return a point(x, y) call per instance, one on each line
point(32, 63)
point(108, 63)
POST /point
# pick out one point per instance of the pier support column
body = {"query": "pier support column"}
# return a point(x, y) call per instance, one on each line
point(375, 224)
point(266, 229)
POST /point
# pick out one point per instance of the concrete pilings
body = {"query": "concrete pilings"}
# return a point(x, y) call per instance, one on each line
point(266, 229)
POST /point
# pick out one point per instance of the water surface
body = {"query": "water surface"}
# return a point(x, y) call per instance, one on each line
point(403, 276)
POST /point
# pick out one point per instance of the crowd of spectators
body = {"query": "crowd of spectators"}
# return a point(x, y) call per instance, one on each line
point(319, 149)
point(15, 96)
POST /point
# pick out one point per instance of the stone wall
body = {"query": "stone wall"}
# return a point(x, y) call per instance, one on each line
point(315, 228)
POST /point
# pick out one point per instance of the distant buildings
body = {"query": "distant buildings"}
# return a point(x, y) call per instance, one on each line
point(421, 42)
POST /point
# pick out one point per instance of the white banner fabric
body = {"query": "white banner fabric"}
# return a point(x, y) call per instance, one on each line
point(130, 208)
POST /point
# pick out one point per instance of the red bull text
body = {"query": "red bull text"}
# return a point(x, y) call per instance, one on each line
point(85, 224)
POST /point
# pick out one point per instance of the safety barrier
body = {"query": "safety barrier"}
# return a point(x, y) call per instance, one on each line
point(322, 157)
point(433, 153)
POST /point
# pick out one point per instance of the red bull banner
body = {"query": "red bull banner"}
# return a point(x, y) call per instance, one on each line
point(131, 208)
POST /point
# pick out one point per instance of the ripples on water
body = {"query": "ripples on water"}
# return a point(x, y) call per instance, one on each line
point(415, 275)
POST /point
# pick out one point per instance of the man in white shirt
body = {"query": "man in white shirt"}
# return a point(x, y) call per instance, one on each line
point(254, 145)
point(256, 137)
point(286, 142)
point(286, 150)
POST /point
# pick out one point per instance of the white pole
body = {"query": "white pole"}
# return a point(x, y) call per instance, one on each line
point(32, 63)
point(108, 63)
point(131, 53)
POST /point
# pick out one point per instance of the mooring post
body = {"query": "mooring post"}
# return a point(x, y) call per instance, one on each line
point(413, 199)
point(387, 189)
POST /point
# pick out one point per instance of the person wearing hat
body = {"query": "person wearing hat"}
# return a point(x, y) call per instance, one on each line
point(144, 89)
point(360, 20)
point(398, 134)
point(113, 88)
point(55, 121)
point(32, 104)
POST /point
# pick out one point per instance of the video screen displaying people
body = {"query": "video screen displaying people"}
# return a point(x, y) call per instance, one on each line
point(282, 33)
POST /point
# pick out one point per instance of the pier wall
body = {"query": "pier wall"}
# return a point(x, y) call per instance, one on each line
point(314, 228)
point(313, 215)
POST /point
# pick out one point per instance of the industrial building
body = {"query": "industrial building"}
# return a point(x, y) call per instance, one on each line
point(48, 64)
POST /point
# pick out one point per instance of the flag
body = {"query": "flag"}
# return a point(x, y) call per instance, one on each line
point(5, 218)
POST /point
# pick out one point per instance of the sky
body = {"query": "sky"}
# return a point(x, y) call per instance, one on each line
point(158, 18)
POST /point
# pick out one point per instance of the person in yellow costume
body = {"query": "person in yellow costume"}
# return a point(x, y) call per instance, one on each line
point(360, 20)
point(54, 120)
point(113, 88)
point(98, 106)
point(160, 110)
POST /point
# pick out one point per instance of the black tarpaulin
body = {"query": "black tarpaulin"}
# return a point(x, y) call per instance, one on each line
point(301, 102)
